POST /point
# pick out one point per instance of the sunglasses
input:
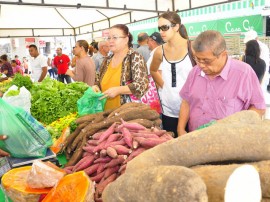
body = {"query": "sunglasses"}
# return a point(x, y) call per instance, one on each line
point(166, 27)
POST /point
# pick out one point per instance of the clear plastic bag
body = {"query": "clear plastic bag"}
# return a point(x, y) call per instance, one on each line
point(22, 100)
point(26, 136)
point(90, 103)
point(44, 175)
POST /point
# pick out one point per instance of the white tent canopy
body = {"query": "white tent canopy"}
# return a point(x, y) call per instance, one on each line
point(28, 18)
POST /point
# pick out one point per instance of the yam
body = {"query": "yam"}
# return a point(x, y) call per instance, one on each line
point(216, 176)
point(157, 184)
point(217, 143)
point(246, 116)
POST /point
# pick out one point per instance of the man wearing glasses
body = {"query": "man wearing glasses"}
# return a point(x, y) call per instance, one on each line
point(218, 85)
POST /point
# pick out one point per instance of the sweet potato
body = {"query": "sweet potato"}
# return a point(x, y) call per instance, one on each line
point(120, 149)
point(134, 154)
point(101, 168)
point(107, 133)
point(107, 181)
point(120, 159)
point(92, 169)
point(114, 137)
point(111, 152)
point(219, 142)
point(157, 184)
point(110, 171)
point(127, 137)
point(98, 177)
point(103, 160)
point(84, 163)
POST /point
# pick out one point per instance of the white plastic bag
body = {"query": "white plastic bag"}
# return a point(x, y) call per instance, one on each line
point(22, 100)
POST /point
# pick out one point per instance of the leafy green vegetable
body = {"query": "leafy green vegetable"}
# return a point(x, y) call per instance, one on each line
point(52, 100)
point(13, 93)
point(20, 81)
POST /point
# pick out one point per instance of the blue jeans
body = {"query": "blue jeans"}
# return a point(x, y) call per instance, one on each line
point(62, 77)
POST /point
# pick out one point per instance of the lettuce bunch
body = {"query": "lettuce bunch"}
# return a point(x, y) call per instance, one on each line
point(52, 99)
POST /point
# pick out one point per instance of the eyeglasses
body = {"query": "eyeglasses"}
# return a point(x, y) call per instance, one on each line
point(166, 27)
point(207, 61)
point(114, 38)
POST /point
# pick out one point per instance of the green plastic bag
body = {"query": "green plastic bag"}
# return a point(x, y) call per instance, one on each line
point(26, 136)
point(89, 103)
point(206, 125)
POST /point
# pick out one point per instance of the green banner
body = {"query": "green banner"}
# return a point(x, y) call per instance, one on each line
point(228, 26)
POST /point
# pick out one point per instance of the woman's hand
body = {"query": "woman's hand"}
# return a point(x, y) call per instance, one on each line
point(112, 92)
point(3, 153)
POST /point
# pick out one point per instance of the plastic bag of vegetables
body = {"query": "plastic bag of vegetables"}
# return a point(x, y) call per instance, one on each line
point(26, 136)
point(90, 103)
point(18, 97)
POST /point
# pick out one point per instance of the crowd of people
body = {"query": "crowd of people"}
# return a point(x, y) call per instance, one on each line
point(197, 81)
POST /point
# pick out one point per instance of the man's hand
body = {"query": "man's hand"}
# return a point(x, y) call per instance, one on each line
point(3, 153)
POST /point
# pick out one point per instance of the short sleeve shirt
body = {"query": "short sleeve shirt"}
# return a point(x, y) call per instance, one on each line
point(236, 88)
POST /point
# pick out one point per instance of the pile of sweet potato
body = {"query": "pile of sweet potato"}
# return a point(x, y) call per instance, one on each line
point(90, 124)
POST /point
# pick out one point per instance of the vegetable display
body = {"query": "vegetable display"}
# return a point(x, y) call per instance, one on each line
point(56, 127)
point(20, 81)
point(52, 100)
point(90, 124)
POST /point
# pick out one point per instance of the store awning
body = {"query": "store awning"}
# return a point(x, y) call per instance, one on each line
point(28, 18)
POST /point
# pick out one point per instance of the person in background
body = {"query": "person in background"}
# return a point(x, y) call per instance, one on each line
point(62, 62)
point(154, 41)
point(50, 69)
point(124, 72)
point(24, 65)
point(218, 85)
point(85, 69)
point(103, 50)
point(143, 47)
point(252, 57)
point(252, 35)
point(6, 68)
point(16, 68)
point(95, 47)
point(73, 61)
point(91, 51)
point(174, 60)
point(38, 64)
point(17, 60)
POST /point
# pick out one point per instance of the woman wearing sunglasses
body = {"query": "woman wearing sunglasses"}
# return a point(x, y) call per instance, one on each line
point(124, 72)
point(174, 59)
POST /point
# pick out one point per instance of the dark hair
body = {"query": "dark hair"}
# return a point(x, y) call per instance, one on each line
point(174, 18)
point(95, 45)
point(142, 36)
point(33, 46)
point(84, 44)
point(4, 57)
point(126, 32)
point(253, 49)
point(16, 56)
point(91, 50)
point(13, 61)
